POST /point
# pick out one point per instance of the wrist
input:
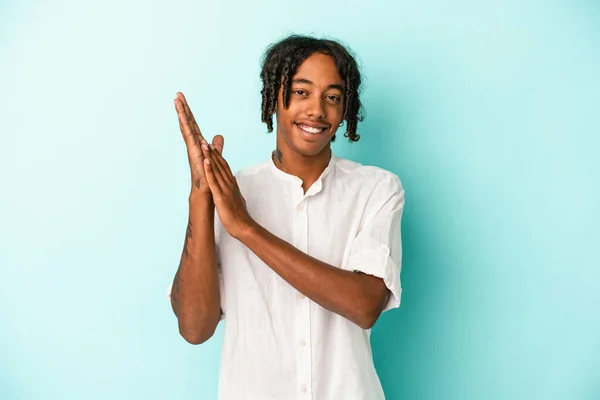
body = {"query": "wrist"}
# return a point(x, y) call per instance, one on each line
point(250, 229)
point(201, 206)
point(201, 198)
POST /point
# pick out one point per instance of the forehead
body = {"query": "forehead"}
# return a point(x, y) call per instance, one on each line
point(320, 69)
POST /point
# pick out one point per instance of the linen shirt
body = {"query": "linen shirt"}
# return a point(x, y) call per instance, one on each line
point(278, 344)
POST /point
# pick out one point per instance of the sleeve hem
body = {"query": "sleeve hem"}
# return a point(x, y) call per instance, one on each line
point(382, 266)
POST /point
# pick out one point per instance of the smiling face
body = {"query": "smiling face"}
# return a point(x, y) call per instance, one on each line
point(316, 107)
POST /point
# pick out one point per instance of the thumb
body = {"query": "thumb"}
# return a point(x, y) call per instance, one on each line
point(218, 141)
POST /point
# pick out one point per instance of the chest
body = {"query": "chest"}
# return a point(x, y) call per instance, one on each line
point(322, 226)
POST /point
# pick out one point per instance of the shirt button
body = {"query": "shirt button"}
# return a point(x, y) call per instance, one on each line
point(303, 390)
point(301, 296)
point(303, 343)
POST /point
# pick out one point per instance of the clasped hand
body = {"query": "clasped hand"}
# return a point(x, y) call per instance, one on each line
point(211, 174)
point(229, 202)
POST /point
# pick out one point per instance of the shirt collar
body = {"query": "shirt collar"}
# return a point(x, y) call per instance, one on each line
point(316, 187)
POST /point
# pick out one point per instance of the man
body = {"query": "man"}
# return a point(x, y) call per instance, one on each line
point(305, 252)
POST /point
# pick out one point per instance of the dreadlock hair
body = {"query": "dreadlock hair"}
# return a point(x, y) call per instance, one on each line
point(281, 61)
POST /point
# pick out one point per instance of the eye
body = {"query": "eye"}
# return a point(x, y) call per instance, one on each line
point(333, 98)
point(299, 92)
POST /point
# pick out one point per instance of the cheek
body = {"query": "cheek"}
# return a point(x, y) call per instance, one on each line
point(284, 117)
point(337, 113)
point(289, 115)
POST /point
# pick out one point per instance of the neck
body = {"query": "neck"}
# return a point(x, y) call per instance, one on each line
point(307, 168)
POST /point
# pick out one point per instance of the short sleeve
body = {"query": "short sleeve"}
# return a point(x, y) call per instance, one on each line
point(377, 248)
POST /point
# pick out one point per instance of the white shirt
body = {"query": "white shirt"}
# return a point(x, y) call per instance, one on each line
point(278, 344)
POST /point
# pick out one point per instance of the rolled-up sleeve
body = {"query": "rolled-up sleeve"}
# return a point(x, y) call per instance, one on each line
point(377, 249)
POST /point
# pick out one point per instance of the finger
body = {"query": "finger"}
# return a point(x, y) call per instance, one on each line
point(213, 167)
point(192, 133)
point(195, 155)
point(189, 136)
point(218, 141)
point(218, 166)
point(223, 165)
point(198, 138)
point(184, 123)
point(212, 181)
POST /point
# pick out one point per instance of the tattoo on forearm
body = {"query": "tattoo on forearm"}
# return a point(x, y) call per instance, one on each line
point(188, 236)
point(186, 254)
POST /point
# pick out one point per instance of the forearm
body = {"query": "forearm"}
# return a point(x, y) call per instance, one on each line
point(355, 296)
point(195, 296)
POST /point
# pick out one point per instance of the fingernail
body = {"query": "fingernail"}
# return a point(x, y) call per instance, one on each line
point(204, 146)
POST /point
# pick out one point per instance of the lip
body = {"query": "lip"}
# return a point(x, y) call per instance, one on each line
point(312, 124)
point(308, 135)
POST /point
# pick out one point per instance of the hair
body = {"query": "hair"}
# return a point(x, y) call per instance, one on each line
point(281, 61)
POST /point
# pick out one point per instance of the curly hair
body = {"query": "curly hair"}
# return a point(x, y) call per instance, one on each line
point(281, 61)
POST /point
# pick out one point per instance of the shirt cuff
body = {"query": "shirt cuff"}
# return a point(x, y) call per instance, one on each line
point(379, 263)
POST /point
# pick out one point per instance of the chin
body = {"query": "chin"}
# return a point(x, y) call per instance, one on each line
point(309, 152)
point(310, 148)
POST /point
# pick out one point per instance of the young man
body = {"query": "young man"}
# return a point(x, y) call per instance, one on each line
point(305, 251)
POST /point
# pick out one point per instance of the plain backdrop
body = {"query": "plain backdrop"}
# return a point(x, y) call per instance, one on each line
point(487, 110)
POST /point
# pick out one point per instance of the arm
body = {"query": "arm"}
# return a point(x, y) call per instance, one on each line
point(195, 296)
point(355, 296)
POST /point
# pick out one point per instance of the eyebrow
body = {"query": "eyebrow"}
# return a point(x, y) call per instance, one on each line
point(332, 86)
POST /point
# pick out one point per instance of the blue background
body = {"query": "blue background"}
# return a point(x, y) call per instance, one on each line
point(487, 110)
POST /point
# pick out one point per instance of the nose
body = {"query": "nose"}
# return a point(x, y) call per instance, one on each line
point(316, 108)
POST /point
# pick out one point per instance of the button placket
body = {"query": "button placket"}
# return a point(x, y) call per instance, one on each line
point(303, 349)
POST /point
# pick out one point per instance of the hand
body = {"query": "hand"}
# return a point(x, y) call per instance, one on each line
point(229, 202)
point(193, 139)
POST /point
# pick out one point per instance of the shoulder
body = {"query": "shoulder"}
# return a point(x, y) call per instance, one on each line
point(253, 171)
point(369, 177)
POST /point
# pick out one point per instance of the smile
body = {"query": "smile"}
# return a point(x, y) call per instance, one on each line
point(310, 129)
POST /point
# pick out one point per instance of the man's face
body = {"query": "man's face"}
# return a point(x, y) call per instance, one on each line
point(315, 106)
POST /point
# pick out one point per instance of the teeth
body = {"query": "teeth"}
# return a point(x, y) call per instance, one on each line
point(310, 129)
